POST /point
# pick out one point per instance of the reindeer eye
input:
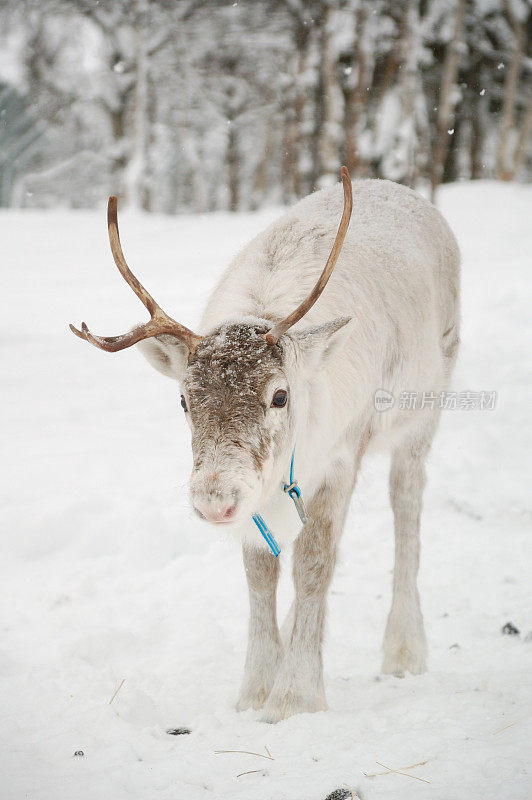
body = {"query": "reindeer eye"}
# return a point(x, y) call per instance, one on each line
point(183, 403)
point(279, 399)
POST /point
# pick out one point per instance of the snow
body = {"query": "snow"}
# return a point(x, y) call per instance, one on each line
point(108, 576)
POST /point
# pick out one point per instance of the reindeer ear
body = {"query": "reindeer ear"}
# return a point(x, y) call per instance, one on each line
point(321, 343)
point(167, 354)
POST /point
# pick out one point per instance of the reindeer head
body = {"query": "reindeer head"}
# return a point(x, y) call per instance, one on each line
point(241, 386)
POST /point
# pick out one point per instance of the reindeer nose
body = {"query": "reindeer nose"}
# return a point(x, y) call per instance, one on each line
point(215, 509)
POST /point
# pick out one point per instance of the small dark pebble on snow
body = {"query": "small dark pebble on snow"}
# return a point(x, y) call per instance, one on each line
point(178, 731)
point(339, 794)
point(509, 630)
point(79, 753)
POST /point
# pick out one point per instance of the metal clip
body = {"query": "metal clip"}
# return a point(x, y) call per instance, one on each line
point(294, 492)
point(300, 506)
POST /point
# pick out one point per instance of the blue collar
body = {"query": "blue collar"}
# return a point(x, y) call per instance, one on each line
point(294, 493)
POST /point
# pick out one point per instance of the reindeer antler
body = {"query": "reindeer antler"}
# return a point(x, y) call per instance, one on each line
point(160, 322)
point(277, 331)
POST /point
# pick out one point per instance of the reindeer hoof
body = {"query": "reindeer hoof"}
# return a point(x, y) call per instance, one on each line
point(404, 659)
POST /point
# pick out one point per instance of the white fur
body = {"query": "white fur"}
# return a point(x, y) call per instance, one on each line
point(398, 272)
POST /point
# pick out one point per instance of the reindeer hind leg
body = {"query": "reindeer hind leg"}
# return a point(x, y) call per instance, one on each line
point(405, 647)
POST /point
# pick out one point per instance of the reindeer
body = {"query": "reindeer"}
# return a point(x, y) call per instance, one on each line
point(266, 385)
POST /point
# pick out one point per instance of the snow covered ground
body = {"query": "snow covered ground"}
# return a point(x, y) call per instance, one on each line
point(107, 576)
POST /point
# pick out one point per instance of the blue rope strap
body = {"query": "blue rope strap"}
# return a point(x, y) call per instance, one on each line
point(294, 493)
point(266, 532)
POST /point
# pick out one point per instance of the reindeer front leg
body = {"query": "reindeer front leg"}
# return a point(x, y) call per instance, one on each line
point(265, 650)
point(299, 685)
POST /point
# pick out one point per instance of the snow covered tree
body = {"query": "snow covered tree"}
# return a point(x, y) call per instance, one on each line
point(197, 105)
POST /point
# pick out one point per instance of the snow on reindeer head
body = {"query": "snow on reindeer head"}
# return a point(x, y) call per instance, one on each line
point(240, 385)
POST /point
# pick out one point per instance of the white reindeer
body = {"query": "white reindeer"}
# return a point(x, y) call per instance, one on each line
point(263, 380)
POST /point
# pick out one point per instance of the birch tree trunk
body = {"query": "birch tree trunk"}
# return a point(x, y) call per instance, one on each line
point(331, 135)
point(298, 159)
point(402, 162)
point(135, 172)
point(231, 158)
point(524, 137)
point(505, 162)
point(448, 99)
point(301, 124)
point(355, 91)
